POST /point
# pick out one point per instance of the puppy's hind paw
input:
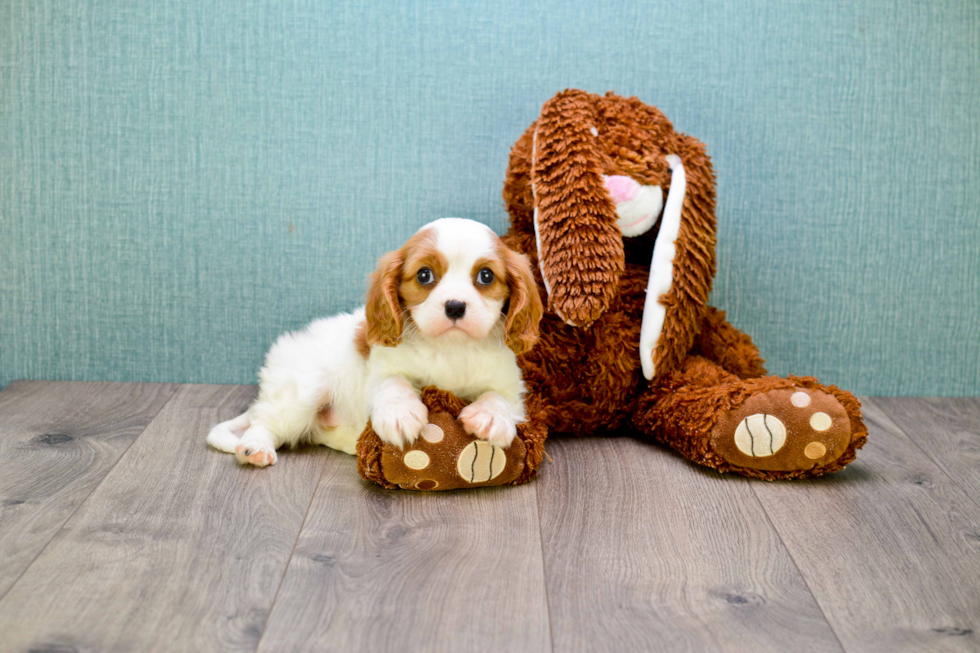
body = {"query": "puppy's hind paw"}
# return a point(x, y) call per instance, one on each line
point(256, 454)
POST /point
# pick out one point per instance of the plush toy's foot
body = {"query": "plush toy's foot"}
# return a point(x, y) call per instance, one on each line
point(766, 427)
point(796, 429)
point(446, 457)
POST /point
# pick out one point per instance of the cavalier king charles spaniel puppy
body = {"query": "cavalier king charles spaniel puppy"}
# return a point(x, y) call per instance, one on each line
point(452, 308)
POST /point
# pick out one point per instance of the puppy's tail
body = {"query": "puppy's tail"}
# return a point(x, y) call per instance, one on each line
point(227, 435)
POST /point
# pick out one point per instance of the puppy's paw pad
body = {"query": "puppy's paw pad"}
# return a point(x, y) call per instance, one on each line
point(487, 424)
point(258, 455)
point(399, 423)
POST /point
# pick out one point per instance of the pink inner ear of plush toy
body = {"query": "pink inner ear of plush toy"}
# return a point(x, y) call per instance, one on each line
point(621, 188)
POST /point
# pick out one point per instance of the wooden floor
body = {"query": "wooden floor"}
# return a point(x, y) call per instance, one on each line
point(121, 531)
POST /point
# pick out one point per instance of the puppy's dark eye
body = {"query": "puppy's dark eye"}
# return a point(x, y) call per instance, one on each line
point(484, 276)
point(425, 276)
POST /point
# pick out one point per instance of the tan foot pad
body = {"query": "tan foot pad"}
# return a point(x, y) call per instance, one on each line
point(783, 430)
point(445, 457)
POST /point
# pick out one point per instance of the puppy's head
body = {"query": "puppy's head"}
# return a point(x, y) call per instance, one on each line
point(454, 280)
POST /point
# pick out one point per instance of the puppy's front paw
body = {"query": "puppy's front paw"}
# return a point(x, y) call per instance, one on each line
point(399, 422)
point(485, 422)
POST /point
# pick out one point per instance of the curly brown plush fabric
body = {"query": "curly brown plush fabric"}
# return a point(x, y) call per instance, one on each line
point(733, 350)
point(576, 225)
point(709, 399)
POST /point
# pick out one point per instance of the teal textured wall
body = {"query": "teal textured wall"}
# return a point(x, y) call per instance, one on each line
point(181, 180)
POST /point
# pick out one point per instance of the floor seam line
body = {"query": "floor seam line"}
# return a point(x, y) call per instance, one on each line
point(806, 583)
point(94, 488)
point(544, 567)
point(292, 552)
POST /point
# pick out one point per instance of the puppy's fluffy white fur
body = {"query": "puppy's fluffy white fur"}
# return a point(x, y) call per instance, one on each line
point(325, 382)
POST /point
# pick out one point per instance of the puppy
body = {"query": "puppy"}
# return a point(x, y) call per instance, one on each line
point(452, 308)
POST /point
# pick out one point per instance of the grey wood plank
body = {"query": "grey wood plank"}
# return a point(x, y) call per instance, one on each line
point(890, 547)
point(646, 552)
point(379, 570)
point(178, 549)
point(946, 429)
point(58, 440)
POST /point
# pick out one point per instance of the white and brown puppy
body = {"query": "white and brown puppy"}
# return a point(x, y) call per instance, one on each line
point(452, 308)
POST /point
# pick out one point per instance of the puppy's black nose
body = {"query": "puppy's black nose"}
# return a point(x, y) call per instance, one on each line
point(455, 309)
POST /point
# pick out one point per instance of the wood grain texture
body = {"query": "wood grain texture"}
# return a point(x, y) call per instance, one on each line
point(890, 547)
point(116, 535)
point(946, 429)
point(379, 570)
point(179, 548)
point(58, 440)
point(646, 552)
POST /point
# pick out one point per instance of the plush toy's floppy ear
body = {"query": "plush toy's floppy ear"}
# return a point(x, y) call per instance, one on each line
point(580, 246)
point(691, 259)
point(383, 311)
point(524, 308)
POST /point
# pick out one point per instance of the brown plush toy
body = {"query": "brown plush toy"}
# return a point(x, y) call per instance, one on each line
point(616, 210)
point(445, 457)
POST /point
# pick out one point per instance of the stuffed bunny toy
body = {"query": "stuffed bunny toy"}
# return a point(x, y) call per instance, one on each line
point(616, 211)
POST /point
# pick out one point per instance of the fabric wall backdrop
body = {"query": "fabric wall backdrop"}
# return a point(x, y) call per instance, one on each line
point(182, 180)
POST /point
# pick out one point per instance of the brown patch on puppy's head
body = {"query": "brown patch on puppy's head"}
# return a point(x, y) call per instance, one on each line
point(420, 253)
point(383, 310)
point(394, 286)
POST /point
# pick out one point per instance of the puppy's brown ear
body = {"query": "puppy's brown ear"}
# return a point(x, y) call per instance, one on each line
point(580, 246)
point(524, 308)
point(383, 310)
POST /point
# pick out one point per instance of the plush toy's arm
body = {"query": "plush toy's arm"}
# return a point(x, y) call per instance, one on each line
point(722, 343)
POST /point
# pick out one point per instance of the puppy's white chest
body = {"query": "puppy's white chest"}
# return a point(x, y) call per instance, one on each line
point(465, 371)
